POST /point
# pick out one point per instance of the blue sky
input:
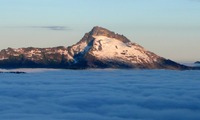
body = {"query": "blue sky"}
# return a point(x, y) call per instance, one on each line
point(169, 28)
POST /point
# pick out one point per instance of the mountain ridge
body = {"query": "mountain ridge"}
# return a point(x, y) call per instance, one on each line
point(99, 48)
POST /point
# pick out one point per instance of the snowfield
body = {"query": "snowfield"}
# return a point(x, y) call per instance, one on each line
point(110, 46)
point(100, 95)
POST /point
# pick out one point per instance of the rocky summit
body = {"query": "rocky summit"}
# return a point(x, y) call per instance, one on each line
point(99, 48)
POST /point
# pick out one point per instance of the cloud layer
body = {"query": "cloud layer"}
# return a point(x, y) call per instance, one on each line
point(101, 95)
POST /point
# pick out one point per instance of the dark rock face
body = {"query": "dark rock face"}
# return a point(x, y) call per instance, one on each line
point(99, 48)
point(93, 62)
point(197, 62)
point(169, 64)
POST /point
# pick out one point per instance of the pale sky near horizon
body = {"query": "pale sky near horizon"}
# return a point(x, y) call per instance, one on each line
point(169, 28)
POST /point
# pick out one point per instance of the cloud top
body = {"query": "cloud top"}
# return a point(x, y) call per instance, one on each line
point(101, 95)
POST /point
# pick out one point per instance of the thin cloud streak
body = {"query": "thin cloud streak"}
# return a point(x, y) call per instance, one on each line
point(59, 28)
point(56, 28)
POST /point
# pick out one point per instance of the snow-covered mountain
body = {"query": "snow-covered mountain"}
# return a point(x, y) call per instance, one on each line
point(99, 48)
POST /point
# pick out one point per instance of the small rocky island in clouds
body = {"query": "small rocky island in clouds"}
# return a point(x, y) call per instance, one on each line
point(197, 62)
point(99, 48)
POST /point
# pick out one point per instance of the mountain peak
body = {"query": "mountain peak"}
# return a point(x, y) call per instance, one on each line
point(99, 48)
point(100, 31)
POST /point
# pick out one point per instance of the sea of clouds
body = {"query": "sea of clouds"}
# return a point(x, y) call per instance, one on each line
point(100, 95)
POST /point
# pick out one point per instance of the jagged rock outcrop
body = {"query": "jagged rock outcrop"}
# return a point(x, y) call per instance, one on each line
point(34, 57)
point(99, 48)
